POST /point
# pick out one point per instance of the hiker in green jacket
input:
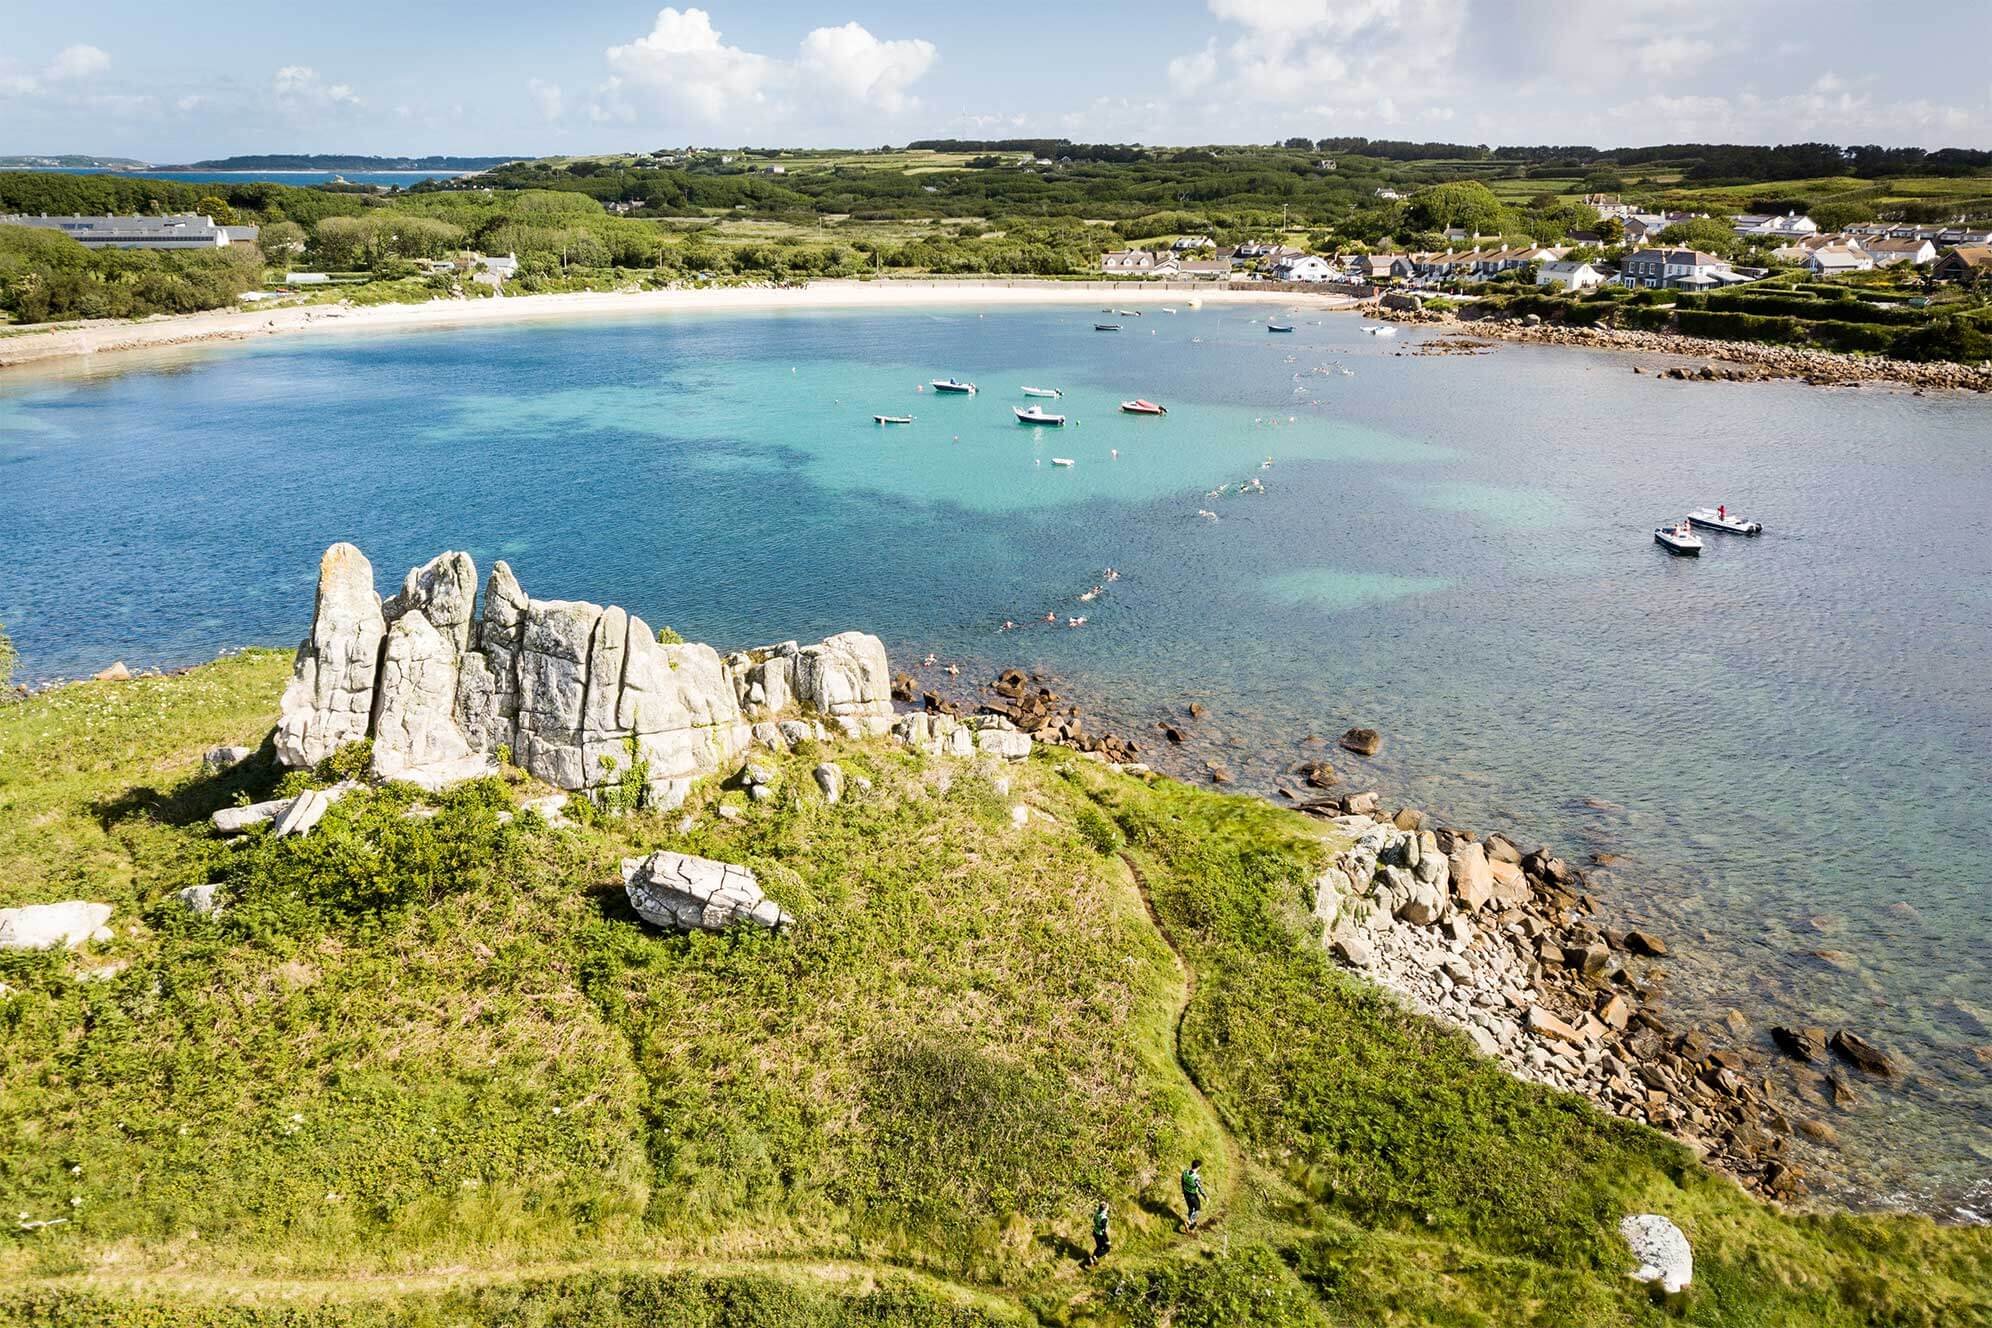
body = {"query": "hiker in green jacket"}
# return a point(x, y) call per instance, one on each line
point(1102, 1240)
point(1193, 1192)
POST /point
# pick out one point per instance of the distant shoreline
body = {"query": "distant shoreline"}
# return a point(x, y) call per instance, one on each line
point(29, 346)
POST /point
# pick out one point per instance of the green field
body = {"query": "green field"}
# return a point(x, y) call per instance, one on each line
point(432, 1071)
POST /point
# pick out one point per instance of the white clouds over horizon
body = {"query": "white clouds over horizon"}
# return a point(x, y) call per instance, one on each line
point(684, 67)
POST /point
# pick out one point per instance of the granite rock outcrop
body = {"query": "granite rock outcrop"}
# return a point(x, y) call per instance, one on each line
point(576, 694)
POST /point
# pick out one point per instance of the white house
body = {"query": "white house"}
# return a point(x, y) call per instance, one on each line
point(1189, 243)
point(1128, 262)
point(1674, 269)
point(1305, 267)
point(1388, 195)
point(1836, 259)
point(1570, 276)
point(1789, 226)
point(1887, 253)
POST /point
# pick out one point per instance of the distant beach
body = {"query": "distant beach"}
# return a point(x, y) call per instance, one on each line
point(32, 345)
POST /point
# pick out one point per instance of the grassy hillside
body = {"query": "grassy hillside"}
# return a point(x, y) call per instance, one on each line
point(431, 1070)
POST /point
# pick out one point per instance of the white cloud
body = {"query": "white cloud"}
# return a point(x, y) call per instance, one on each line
point(74, 62)
point(1664, 56)
point(1193, 73)
point(546, 96)
point(299, 88)
point(193, 101)
point(684, 66)
point(865, 71)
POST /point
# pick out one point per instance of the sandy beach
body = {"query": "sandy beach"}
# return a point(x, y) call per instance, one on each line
point(69, 340)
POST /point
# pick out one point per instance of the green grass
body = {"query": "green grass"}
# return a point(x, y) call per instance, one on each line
point(431, 1070)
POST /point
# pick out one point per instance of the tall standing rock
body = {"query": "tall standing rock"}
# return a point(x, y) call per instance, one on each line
point(416, 737)
point(488, 690)
point(329, 701)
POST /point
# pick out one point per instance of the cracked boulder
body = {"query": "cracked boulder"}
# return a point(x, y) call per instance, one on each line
point(689, 893)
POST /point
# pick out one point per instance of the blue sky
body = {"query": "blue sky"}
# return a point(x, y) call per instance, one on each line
point(170, 82)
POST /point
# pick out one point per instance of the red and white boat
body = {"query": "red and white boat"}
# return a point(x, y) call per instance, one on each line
point(1141, 406)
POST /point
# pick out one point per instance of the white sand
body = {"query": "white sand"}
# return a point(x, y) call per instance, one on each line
point(98, 338)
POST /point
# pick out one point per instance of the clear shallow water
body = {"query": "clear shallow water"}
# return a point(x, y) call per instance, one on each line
point(1785, 743)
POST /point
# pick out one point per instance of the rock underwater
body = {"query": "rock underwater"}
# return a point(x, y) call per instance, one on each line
point(575, 691)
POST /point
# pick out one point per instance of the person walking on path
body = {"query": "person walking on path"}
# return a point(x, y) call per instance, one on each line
point(1193, 1192)
point(1102, 1239)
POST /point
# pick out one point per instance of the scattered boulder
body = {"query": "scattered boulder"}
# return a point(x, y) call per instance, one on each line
point(306, 810)
point(1359, 804)
point(115, 673)
point(1319, 774)
point(552, 809)
point(1363, 742)
point(235, 820)
point(829, 777)
point(1353, 950)
point(1472, 875)
point(677, 890)
point(1662, 1251)
point(1645, 943)
point(1862, 1054)
point(45, 926)
point(1546, 1025)
point(1805, 1044)
point(202, 899)
point(217, 759)
point(1004, 742)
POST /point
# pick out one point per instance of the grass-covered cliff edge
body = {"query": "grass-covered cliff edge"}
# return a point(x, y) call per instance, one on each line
point(433, 1071)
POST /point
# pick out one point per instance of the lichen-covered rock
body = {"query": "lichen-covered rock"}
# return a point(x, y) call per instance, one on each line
point(218, 759)
point(329, 701)
point(234, 820)
point(202, 899)
point(690, 893)
point(416, 735)
point(1662, 1250)
point(577, 694)
point(829, 777)
point(45, 926)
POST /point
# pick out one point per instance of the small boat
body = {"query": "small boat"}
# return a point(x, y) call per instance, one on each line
point(1381, 330)
point(1035, 415)
point(951, 385)
point(1679, 539)
point(1142, 407)
point(1719, 518)
point(1128, 313)
point(1106, 327)
point(1061, 461)
point(1279, 327)
point(893, 419)
point(1051, 392)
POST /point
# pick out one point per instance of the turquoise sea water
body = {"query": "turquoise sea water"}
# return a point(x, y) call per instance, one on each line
point(1784, 744)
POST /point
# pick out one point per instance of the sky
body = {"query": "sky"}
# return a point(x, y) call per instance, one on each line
point(177, 82)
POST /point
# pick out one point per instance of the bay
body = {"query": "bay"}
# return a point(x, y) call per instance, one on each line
point(1782, 745)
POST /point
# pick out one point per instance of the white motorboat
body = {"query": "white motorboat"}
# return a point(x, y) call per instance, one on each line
point(1679, 539)
point(1061, 461)
point(1381, 330)
point(1037, 415)
point(1051, 392)
point(953, 385)
point(1721, 518)
point(893, 419)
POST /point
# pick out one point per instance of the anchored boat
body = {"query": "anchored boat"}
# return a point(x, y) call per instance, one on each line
point(1140, 406)
point(1042, 392)
point(1036, 415)
point(1721, 518)
point(1679, 539)
point(1279, 327)
point(1106, 327)
point(1061, 461)
point(951, 385)
point(893, 419)
point(1128, 313)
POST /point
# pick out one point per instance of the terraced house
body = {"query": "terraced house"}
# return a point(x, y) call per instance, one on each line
point(1674, 269)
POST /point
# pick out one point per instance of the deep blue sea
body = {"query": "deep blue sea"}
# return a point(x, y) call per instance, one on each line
point(1785, 743)
point(390, 179)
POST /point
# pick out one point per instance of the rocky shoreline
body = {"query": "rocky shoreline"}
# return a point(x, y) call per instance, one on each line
point(1729, 361)
point(1508, 946)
